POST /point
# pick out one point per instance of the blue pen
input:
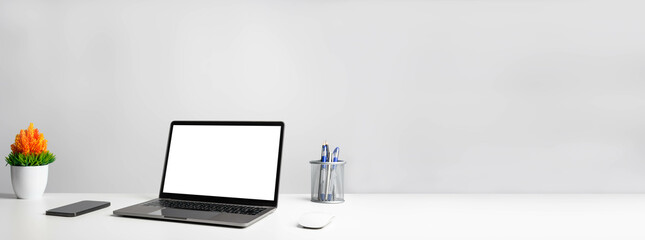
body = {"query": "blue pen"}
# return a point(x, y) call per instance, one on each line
point(332, 172)
point(335, 155)
point(324, 157)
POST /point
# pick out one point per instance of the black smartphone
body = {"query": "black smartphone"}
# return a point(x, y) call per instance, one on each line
point(79, 208)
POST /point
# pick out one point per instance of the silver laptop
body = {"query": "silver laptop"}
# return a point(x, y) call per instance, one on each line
point(221, 173)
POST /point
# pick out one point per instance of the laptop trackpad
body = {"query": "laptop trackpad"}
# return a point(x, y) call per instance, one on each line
point(184, 213)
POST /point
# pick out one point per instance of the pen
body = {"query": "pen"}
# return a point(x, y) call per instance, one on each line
point(324, 157)
point(332, 183)
point(329, 170)
point(335, 155)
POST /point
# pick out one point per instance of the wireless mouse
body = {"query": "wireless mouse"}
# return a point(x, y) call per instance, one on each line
point(315, 220)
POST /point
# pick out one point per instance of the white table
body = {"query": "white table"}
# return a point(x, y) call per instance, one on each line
point(362, 216)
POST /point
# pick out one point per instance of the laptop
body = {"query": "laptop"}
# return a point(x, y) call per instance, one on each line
point(217, 172)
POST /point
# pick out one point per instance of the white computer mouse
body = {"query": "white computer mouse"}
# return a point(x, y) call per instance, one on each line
point(315, 220)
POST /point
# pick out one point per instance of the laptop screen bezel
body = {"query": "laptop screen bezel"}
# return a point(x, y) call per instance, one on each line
point(229, 200)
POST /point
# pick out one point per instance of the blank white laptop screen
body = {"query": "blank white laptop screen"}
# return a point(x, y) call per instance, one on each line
point(223, 161)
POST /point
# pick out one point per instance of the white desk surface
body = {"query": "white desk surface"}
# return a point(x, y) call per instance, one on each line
point(376, 216)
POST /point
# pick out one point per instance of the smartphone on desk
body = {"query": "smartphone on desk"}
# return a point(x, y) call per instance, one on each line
point(79, 208)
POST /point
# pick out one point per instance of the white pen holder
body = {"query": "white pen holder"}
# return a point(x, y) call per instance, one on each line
point(327, 184)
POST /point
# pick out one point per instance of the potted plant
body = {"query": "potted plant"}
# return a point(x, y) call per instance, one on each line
point(29, 160)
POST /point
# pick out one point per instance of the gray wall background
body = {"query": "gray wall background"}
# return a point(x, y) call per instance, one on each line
point(422, 96)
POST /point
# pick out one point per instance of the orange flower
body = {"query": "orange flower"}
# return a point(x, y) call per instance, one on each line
point(29, 141)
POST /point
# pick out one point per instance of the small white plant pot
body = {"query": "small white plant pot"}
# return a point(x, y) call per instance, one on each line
point(29, 182)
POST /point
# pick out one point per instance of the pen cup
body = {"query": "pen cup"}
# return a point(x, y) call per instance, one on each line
point(327, 184)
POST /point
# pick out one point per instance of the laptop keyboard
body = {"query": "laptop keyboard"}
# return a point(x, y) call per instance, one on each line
point(201, 206)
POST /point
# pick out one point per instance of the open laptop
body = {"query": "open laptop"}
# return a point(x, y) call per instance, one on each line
point(222, 173)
